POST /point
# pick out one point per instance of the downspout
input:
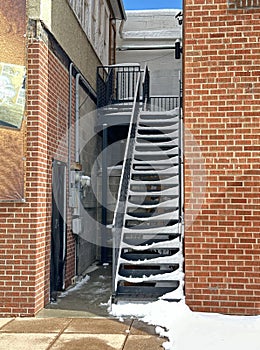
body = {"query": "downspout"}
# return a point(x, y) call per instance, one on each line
point(69, 151)
point(121, 27)
point(77, 119)
point(69, 125)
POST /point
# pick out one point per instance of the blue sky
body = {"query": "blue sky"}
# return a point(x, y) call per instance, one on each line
point(152, 4)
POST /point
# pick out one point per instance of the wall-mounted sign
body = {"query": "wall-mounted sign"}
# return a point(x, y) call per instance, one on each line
point(12, 95)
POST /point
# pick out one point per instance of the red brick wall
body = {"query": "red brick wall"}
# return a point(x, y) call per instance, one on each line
point(221, 110)
point(25, 228)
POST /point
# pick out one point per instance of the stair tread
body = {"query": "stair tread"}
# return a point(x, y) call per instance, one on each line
point(142, 272)
point(165, 204)
point(161, 113)
point(170, 244)
point(168, 171)
point(157, 230)
point(169, 181)
point(166, 216)
point(162, 153)
point(144, 145)
point(166, 161)
point(149, 240)
point(142, 293)
point(168, 192)
point(158, 261)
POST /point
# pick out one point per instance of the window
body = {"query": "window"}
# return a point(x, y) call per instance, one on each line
point(243, 4)
point(94, 16)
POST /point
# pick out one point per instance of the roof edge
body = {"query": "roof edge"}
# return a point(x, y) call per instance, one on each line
point(118, 9)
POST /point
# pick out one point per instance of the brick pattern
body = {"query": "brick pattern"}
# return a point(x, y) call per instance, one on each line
point(26, 227)
point(221, 110)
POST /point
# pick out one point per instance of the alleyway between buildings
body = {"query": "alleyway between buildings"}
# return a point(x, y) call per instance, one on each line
point(79, 320)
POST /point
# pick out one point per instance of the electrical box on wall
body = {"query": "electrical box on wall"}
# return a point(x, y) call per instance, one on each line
point(76, 226)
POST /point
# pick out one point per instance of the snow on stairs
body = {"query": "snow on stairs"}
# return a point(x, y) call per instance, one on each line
point(151, 257)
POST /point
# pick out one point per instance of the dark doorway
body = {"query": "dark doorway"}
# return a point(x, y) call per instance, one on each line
point(58, 229)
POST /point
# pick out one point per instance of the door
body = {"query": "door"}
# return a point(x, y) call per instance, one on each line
point(58, 229)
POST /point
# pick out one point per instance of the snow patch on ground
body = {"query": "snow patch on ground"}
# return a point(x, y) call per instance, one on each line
point(77, 286)
point(194, 330)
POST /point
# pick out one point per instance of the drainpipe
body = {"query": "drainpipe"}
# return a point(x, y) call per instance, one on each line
point(104, 196)
point(69, 125)
point(121, 27)
point(77, 119)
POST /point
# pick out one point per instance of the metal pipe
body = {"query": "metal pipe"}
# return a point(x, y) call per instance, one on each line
point(69, 124)
point(77, 118)
point(104, 196)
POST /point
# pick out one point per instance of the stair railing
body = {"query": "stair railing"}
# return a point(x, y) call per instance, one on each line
point(146, 87)
point(181, 152)
point(120, 210)
point(163, 103)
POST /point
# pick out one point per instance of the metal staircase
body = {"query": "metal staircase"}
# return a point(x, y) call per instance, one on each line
point(150, 257)
point(147, 226)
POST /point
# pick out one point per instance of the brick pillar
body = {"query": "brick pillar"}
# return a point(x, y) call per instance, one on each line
point(221, 110)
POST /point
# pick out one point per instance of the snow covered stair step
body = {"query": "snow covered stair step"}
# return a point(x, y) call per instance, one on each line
point(157, 131)
point(147, 277)
point(168, 181)
point(164, 204)
point(174, 243)
point(145, 292)
point(128, 272)
point(172, 192)
point(147, 144)
point(157, 123)
point(155, 160)
point(172, 152)
point(167, 216)
point(164, 135)
point(168, 171)
point(155, 260)
point(174, 229)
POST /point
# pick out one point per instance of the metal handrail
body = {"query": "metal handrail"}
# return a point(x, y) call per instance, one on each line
point(146, 87)
point(120, 210)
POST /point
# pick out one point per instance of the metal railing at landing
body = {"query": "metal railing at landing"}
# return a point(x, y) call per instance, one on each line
point(163, 103)
point(116, 84)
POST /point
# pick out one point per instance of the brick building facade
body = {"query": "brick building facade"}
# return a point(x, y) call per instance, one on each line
point(49, 52)
point(221, 110)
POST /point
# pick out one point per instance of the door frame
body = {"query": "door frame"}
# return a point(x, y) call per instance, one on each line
point(57, 273)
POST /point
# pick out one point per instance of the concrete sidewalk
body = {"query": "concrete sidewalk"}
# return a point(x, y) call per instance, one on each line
point(77, 334)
